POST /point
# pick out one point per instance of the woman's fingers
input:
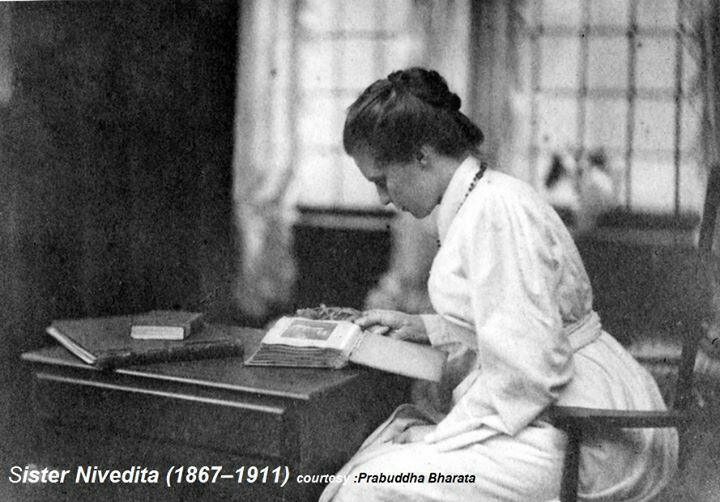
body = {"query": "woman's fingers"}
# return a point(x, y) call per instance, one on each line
point(390, 318)
point(379, 329)
point(394, 324)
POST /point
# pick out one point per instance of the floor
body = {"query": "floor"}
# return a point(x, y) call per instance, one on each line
point(699, 479)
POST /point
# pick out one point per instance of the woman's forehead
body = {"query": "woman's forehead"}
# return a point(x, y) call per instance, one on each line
point(367, 164)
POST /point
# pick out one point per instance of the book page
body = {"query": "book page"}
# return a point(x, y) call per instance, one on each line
point(401, 357)
point(300, 332)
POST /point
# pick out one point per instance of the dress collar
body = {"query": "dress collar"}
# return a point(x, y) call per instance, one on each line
point(455, 194)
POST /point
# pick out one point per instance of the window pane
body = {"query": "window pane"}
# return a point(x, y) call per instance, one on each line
point(610, 13)
point(607, 62)
point(557, 122)
point(357, 61)
point(561, 13)
point(559, 66)
point(358, 14)
point(654, 125)
point(319, 121)
point(655, 63)
point(396, 15)
point(692, 183)
point(318, 16)
point(606, 123)
point(653, 183)
point(316, 65)
point(520, 166)
point(657, 13)
point(319, 182)
point(524, 64)
point(690, 126)
point(396, 54)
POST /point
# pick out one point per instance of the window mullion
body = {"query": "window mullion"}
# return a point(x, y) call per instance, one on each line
point(536, 32)
point(631, 94)
point(583, 90)
point(678, 102)
point(336, 69)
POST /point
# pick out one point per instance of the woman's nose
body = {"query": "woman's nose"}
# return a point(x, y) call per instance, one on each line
point(384, 196)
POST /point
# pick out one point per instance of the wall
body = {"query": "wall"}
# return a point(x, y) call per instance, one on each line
point(340, 255)
point(115, 163)
point(646, 277)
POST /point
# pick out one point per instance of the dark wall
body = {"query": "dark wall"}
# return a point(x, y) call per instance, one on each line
point(644, 290)
point(115, 156)
point(338, 267)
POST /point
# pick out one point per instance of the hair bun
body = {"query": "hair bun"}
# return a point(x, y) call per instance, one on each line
point(454, 102)
point(427, 85)
point(396, 76)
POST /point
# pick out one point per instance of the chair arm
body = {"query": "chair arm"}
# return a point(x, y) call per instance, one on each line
point(566, 417)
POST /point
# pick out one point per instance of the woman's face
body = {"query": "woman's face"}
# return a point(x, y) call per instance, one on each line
point(410, 186)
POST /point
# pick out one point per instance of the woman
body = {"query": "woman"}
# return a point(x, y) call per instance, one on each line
point(514, 313)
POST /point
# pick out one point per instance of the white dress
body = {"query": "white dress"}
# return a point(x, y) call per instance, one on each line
point(514, 312)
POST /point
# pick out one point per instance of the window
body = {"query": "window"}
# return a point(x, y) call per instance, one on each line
point(615, 75)
point(342, 47)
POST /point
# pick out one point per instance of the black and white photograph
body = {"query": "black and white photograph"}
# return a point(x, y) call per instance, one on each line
point(308, 330)
point(513, 204)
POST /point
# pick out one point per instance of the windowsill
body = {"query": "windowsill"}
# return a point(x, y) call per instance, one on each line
point(621, 225)
point(337, 218)
point(645, 236)
point(641, 228)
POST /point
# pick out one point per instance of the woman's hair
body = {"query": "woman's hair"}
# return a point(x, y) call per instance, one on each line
point(410, 108)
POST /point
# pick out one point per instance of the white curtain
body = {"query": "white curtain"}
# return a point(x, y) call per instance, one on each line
point(264, 148)
point(497, 90)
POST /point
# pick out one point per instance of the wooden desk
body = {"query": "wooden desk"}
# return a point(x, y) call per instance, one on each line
point(213, 412)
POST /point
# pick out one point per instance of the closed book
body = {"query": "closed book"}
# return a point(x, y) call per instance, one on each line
point(105, 342)
point(166, 325)
point(313, 343)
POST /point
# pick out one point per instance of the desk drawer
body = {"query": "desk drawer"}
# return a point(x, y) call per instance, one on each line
point(235, 426)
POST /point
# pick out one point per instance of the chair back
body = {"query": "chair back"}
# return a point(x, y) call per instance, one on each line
point(704, 273)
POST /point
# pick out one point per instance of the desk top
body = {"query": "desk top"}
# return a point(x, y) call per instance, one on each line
point(224, 373)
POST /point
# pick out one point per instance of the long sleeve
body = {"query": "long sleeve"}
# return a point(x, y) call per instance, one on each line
point(507, 260)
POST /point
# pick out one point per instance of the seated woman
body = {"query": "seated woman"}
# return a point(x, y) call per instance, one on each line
point(514, 313)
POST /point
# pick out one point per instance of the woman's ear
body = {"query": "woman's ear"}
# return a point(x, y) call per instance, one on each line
point(423, 155)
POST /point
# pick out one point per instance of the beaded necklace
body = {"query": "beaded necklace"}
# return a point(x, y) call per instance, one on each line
point(478, 175)
point(476, 178)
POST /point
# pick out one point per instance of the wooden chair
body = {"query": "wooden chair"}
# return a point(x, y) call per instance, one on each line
point(577, 421)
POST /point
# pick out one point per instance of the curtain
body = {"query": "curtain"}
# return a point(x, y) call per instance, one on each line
point(264, 149)
point(496, 96)
point(702, 17)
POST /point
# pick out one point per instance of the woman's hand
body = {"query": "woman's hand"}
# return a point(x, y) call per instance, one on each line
point(394, 324)
point(413, 434)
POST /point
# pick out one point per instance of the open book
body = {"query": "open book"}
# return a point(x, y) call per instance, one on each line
point(311, 343)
